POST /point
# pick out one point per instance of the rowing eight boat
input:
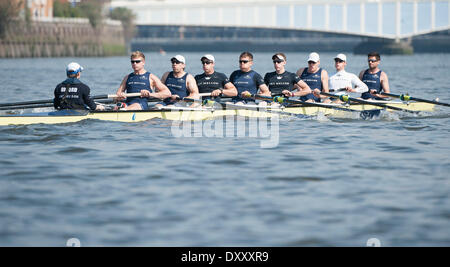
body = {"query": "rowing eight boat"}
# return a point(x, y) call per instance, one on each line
point(193, 114)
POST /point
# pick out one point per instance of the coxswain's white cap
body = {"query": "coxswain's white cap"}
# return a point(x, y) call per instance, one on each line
point(314, 57)
point(341, 57)
point(210, 57)
point(179, 58)
point(73, 68)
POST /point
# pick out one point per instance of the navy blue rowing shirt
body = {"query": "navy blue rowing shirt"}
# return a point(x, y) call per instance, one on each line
point(246, 81)
point(135, 83)
point(279, 82)
point(208, 83)
point(373, 82)
point(177, 86)
point(314, 81)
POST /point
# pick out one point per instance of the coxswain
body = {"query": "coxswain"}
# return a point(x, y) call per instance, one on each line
point(141, 81)
point(374, 78)
point(282, 82)
point(345, 80)
point(247, 81)
point(72, 93)
point(214, 82)
point(316, 78)
point(180, 83)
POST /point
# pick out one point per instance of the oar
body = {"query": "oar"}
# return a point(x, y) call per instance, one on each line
point(47, 101)
point(408, 98)
point(346, 98)
point(100, 98)
point(363, 114)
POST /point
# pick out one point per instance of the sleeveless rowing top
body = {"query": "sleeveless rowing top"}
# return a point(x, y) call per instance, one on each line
point(313, 80)
point(177, 86)
point(135, 83)
point(372, 81)
point(246, 81)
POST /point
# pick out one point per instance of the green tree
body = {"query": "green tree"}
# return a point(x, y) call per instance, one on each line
point(127, 17)
point(66, 10)
point(93, 11)
point(9, 10)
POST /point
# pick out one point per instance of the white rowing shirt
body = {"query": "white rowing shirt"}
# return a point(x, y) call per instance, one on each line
point(343, 79)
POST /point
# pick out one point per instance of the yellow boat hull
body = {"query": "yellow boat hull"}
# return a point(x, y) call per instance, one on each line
point(200, 114)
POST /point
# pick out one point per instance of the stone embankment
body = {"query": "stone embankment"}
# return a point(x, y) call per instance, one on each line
point(62, 37)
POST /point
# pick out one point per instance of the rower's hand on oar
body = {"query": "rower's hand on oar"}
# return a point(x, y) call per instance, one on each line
point(373, 92)
point(145, 93)
point(350, 89)
point(120, 96)
point(175, 97)
point(287, 93)
point(216, 92)
point(316, 93)
point(246, 94)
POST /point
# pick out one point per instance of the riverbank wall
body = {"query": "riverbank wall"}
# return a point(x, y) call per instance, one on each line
point(61, 37)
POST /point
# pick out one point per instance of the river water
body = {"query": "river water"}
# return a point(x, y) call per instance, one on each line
point(328, 182)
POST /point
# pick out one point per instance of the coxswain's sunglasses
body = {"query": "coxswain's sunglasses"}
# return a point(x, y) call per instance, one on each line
point(277, 61)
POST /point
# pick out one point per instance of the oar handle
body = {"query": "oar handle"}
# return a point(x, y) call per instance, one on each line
point(338, 90)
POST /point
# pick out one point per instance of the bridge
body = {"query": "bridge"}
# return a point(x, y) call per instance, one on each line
point(399, 21)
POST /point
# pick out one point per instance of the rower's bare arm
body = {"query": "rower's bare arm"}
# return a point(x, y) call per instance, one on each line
point(361, 74)
point(192, 87)
point(325, 87)
point(385, 83)
point(121, 91)
point(264, 90)
point(229, 90)
point(303, 89)
point(162, 91)
point(300, 71)
point(164, 77)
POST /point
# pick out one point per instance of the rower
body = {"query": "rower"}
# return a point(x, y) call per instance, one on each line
point(316, 78)
point(247, 81)
point(141, 81)
point(72, 93)
point(282, 82)
point(180, 83)
point(214, 82)
point(374, 78)
point(343, 79)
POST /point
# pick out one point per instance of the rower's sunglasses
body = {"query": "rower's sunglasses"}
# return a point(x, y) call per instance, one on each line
point(372, 60)
point(244, 61)
point(174, 61)
point(311, 62)
point(277, 61)
point(207, 62)
point(136, 61)
point(338, 60)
